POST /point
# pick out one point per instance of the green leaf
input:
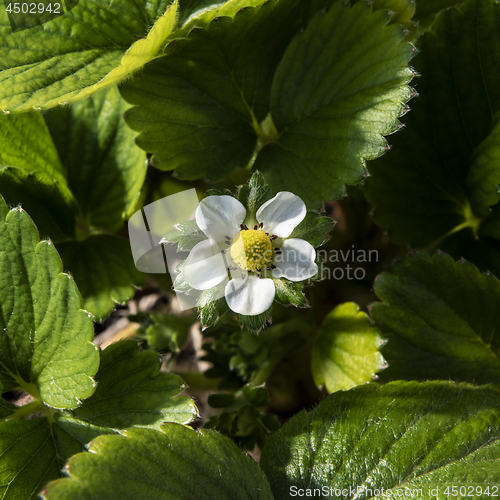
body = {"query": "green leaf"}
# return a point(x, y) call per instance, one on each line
point(438, 178)
point(105, 168)
point(402, 437)
point(181, 285)
point(289, 293)
point(144, 463)
point(46, 340)
point(71, 57)
point(93, 188)
point(104, 269)
point(32, 452)
point(131, 391)
point(484, 175)
point(211, 89)
point(346, 350)
point(314, 228)
point(25, 142)
point(41, 195)
point(163, 331)
point(39, 181)
point(258, 322)
point(252, 195)
point(212, 305)
point(341, 85)
point(403, 10)
point(143, 51)
point(186, 235)
point(440, 319)
point(429, 8)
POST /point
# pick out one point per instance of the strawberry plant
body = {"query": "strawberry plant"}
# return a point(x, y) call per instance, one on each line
point(249, 249)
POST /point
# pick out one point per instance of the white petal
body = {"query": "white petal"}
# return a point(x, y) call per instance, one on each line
point(282, 214)
point(251, 296)
point(296, 262)
point(220, 216)
point(205, 267)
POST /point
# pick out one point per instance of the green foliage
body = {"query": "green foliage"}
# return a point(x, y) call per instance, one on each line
point(152, 464)
point(441, 176)
point(211, 88)
point(346, 351)
point(252, 195)
point(131, 391)
point(289, 293)
point(429, 8)
point(440, 319)
point(46, 350)
point(103, 267)
point(187, 234)
point(346, 70)
point(403, 435)
point(105, 170)
point(241, 418)
point(300, 95)
point(68, 59)
point(314, 228)
point(32, 172)
point(163, 332)
point(82, 178)
point(212, 306)
point(36, 300)
point(247, 74)
point(240, 356)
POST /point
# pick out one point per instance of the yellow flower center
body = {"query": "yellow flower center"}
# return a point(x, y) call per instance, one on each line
point(252, 250)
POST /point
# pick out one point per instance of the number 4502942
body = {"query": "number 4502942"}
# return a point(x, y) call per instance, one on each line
point(33, 8)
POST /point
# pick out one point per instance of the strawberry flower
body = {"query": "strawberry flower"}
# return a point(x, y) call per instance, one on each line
point(246, 258)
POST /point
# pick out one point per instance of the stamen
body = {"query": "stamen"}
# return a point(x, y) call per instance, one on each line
point(274, 237)
point(261, 225)
point(255, 227)
point(273, 266)
point(251, 250)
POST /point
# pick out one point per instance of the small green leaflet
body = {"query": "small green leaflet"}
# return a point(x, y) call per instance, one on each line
point(401, 437)
point(314, 229)
point(186, 235)
point(346, 350)
point(440, 319)
point(68, 58)
point(144, 463)
point(252, 195)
